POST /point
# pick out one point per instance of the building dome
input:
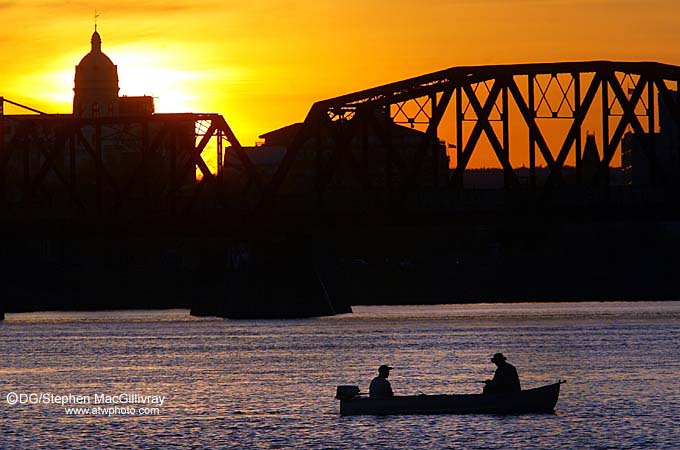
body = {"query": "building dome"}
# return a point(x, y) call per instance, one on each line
point(96, 83)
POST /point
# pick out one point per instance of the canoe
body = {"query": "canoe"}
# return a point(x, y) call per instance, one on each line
point(541, 400)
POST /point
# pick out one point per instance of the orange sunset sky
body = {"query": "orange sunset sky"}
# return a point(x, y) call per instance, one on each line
point(262, 63)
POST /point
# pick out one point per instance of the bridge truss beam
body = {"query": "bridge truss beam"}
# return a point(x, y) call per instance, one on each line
point(612, 97)
point(60, 166)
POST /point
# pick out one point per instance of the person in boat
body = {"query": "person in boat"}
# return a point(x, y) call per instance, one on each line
point(380, 387)
point(505, 379)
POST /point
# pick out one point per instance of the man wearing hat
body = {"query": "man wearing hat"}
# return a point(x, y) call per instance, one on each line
point(505, 379)
point(380, 387)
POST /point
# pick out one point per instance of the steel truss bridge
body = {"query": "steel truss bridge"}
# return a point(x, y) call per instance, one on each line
point(55, 166)
point(483, 96)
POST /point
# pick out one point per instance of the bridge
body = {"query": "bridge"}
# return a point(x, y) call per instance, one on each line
point(369, 169)
point(55, 166)
point(578, 83)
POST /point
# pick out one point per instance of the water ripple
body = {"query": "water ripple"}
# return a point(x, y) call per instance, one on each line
point(270, 384)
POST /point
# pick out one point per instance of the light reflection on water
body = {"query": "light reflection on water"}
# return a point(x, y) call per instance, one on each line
point(270, 384)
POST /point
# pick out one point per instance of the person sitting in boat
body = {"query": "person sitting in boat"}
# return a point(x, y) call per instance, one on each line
point(505, 379)
point(380, 387)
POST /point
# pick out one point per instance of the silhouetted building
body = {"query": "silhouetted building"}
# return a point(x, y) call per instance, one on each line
point(368, 150)
point(635, 163)
point(96, 83)
point(126, 147)
point(653, 158)
point(281, 136)
point(135, 106)
point(591, 162)
point(96, 87)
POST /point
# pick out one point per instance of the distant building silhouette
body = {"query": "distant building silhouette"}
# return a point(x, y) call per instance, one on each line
point(404, 141)
point(371, 152)
point(96, 83)
point(126, 147)
point(653, 158)
point(590, 163)
point(96, 87)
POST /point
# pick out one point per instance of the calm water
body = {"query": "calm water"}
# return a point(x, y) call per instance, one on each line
point(270, 384)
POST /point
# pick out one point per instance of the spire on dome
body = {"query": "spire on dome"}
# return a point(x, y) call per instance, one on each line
point(96, 40)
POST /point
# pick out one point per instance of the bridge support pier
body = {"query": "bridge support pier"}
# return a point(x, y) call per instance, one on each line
point(275, 281)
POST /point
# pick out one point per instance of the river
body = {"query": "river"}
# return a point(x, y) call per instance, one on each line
point(270, 384)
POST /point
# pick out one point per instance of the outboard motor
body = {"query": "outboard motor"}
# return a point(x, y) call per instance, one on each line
point(347, 392)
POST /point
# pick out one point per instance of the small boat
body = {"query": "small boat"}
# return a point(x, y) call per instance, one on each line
point(541, 400)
